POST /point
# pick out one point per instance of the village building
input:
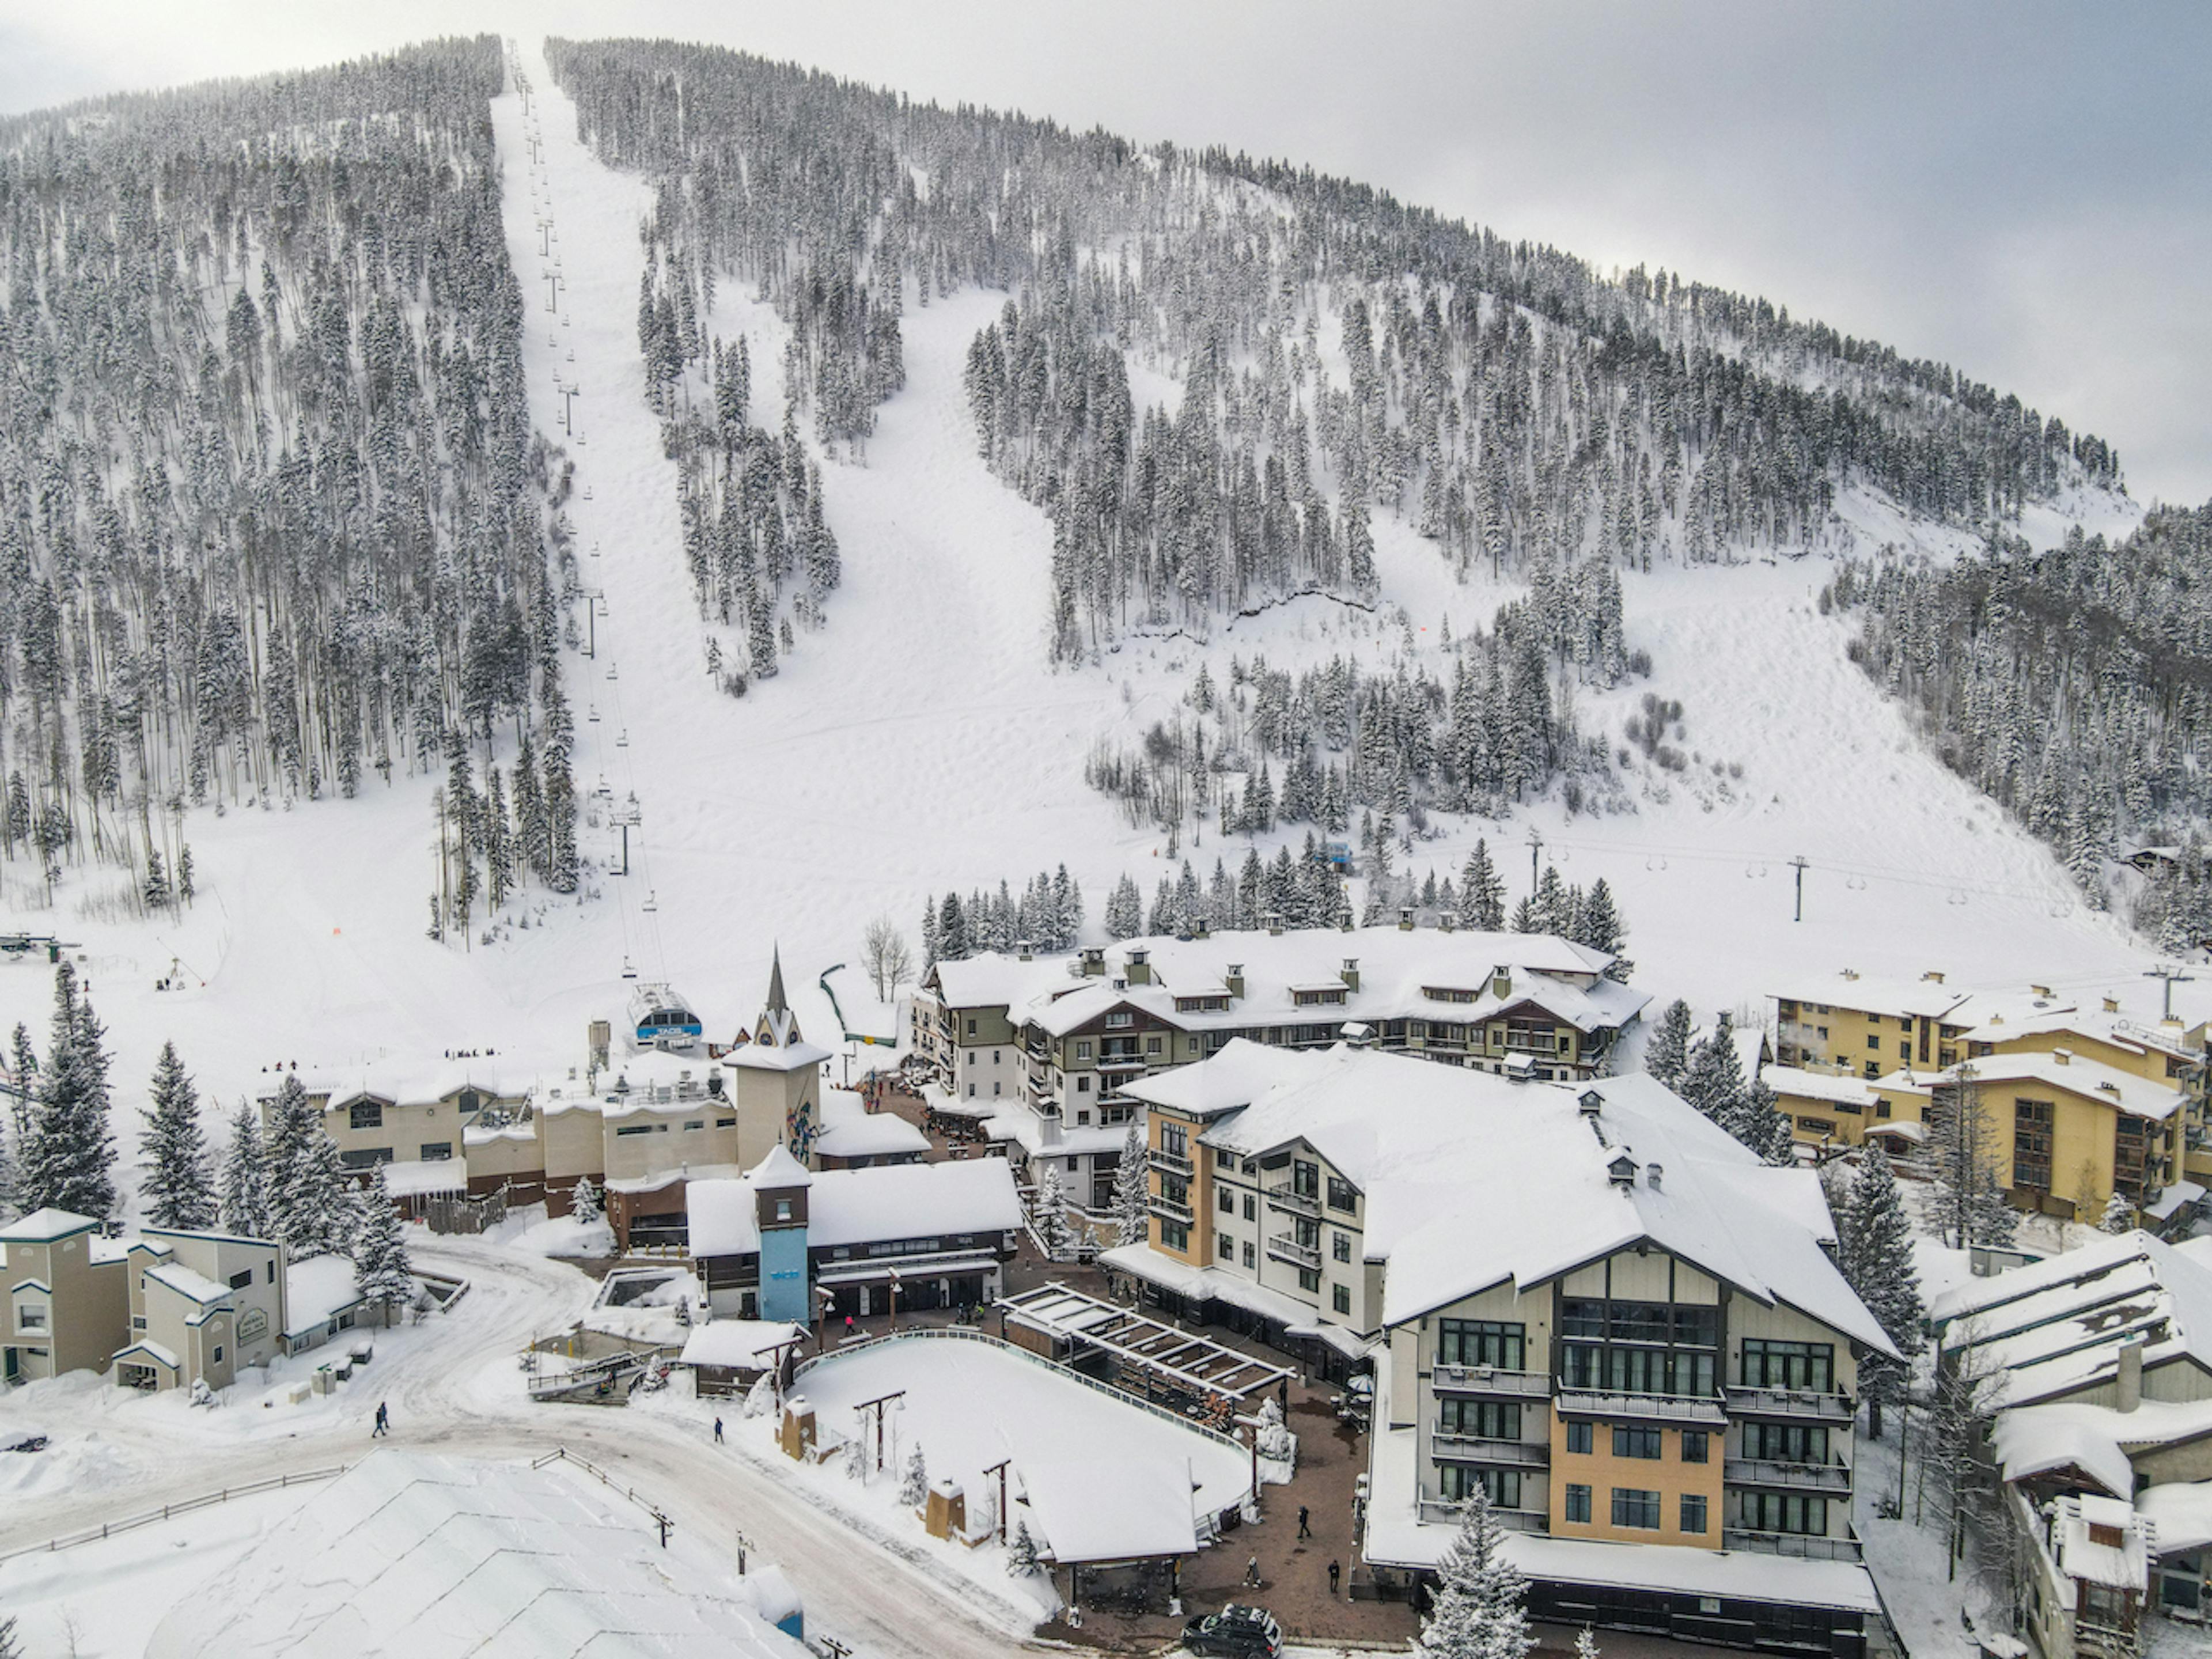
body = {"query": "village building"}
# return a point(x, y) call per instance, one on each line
point(1830, 1111)
point(2098, 1367)
point(1583, 1298)
point(412, 1119)
point(1042, 1053)
point(2066, 1132)
point(69, 1300)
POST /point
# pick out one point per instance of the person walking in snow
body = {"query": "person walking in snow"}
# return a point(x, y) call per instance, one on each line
point(1304, 1531)
point(717, 1431)
point(1252, 1572)
point(1335, 1573)
point(382, 1422)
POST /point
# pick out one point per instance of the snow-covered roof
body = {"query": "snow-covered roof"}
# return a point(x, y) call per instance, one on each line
point(777, 1057)
point(882, 1203)
point(1094, 1509)
point(849, 1129)
point(194, 1287)
point(2100, 1441)
point(1204, 1284)
point(780, 1169)
point(152, 1350)
point(2055, 1327)
point(2125, 1092)
point(1928, 998)
point(316, 1289)
point(2119, 1031)
point(1840, 1089)
point(1038, 1137)
point(437, 1557)
point(747, 1344)
point(2180, 1515)
point(1471, 1179)
point(45, 1227)
point(410, 1079)
point(2123, 1565)
point(418, 1177)
point(1397, 970)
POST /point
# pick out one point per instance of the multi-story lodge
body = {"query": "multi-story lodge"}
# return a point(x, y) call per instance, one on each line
point(1584, 1298)
point(1046, 1050)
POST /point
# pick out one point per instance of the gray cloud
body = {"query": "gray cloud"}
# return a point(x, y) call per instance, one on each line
point(2020, 189)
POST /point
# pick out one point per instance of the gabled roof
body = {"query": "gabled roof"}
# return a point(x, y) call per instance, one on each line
point(881, 1204)
point(1927, 998)
point(45, 1227)
point(2124, 1091)
point(194, 1287)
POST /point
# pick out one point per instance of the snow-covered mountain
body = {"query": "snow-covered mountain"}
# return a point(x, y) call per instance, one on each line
point(1031, 429)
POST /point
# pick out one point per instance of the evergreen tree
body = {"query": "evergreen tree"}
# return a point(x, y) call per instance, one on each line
point(1051, 1213)
point(245, 1210)
point(1480, 1609)
point(584, 1202)
point(23, 1071)
point(1667, 1056)
point(1713, 1080)
point(1131, 1199)
point(914, 1481)
point(1482, 891)
point(1021, 1551)
point(1965, 1157)
point(156, 892)
point(1602, 929)
point(1874, 1251)
point(2119, 1214)
point(378, 1247)
point(68, 1160)
point(1125, 909)
point(179, 1187)
point(306, 1195)
point(9, 1180)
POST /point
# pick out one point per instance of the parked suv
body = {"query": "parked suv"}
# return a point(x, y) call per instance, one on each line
point(1234, 1632)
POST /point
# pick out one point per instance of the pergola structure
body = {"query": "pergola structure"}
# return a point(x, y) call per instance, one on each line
point(1077, 1323)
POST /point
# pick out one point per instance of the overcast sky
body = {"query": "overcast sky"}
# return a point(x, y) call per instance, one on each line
point(2021, 188)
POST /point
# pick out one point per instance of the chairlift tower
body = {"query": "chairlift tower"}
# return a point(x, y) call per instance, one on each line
point(625, 818)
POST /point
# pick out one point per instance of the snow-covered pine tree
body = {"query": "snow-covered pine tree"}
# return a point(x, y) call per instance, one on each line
point(1021, 1551)
point(1874, 1251)
point(1602, 929)
point(1586, 1644)
point(1759, 1122)
point(1132, 1200)
point(378, 1248)
point(1667, 1056)
point(179, 1187)
point(2119, 1214)
point(914, 1481)
point(584, 1202)
point(1125, 909)
point(1713, 1080)
point(1481, 891)
point(68, 1163)
point(307, 1199)
point(155, 893)
point(8, 1180)
point(1480, 1607)
point(23, 1071)
point(1051, 1212)
point(245, 1179)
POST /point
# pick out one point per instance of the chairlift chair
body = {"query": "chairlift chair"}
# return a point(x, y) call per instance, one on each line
point(623, 741)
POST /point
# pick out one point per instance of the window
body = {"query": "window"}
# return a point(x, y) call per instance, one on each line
point(1581, 1438)
point(1174, 1139)
point(1696, 1447)
point(269, 1270)
point(30, 1318)
point(1224, 1158)
point(436, 1152)
point(1785, 1443)
point(1460, 1481)
point(218, 1354)
point(1578, 1503)
point(1777, 1512)
point(138, 1321)
point(693, 1123)
point(971, 1028)
point(1224, 1200)
point(783, 1209)
point(1343, 1195)
point(1120, 1019)
point(726, 1124)
point(1485, 1419)
point(1482, 1342)
point(1310, 1280)
point(971, 1092)
point(366, 1115)
point(1339, 1297)
point(469, 1100)
point(240, 1280)
point(1251, 1207)
point(1637, 1443)
point(1305, 1179)
point(1174, 1235)
point(1693, 1511)
point(994, 1088)
point(638, 1129)
point(1634, 1507)
point(1224, 1247)
point(1083, 1084)
point(1247, 1253)
point(1905, 1051)
point(1340, 1246)
point(994, 1056)
point(1771, 1364)
point(1151, 1045)
point(1082, 1049)
point(1875, 1043)
point(364, 1158)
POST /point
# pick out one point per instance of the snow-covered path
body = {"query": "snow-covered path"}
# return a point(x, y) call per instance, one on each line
point(462, 1393)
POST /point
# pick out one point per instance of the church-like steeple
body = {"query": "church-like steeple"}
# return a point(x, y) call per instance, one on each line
point(776, 1005)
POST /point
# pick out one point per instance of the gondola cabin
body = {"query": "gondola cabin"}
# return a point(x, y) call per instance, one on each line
point(659, 1018)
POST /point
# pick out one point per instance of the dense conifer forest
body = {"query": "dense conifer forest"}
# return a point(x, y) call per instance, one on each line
point(1340, 354)
point(272, 516)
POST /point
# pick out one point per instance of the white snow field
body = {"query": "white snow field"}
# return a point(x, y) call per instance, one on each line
point(920, 741)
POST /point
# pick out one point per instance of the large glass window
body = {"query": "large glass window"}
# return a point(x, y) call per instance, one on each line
point(1482, 1342)
point(1633, 1507)
point(1786, 1511)
point(1637, 1443)
point(1786, 1442)
point(1460, 1481)
point(1772, 1364)
point(1483, 1420)
point(2030, 1144)
point(1693, 1512)
point(1578, 1503)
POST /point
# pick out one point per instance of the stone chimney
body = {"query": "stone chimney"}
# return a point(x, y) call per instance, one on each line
point(2128, 1387)
point(1024, 950)
point(2112, 1004)
point(1352, 973)
point(1652, 1174)
point(1235, 979)
point(1140, 966)
point(1933, 976)
point(2062, 1056)
point(1405, 917)
point(1094, 961)
point(1274, 920)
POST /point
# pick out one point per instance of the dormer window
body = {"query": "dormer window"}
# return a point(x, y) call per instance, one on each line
point(783, 1209)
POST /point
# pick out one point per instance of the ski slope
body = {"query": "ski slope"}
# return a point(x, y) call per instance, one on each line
point(919, 741)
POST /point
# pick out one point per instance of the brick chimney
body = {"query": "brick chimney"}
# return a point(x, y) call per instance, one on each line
point(1352, 973)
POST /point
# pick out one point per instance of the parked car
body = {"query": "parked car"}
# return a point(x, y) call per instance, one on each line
point(1234, 1632)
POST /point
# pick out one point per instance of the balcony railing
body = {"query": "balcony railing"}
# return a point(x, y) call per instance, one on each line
point(1489, 1379)
point(1173, 1211)
point(1439, 1511)
point(1480, 1449)
point(1173, 1163)
point(1804, 1546)
point(1792, 1402)
point(1704, 1410)
point(1284, 1247)
point(1298, 1203)
point(1833, 1477)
